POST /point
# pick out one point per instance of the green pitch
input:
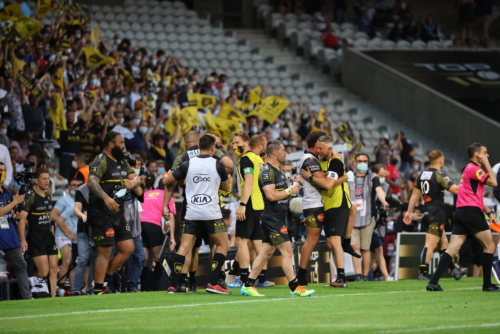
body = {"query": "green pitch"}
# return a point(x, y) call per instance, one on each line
point(364, 307)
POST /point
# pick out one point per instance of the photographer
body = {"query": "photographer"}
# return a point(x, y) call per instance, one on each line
point(39, 242)
point(378, 236)
point(9, 241)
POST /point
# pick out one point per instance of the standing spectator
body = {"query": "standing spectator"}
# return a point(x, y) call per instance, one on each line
point(4, 140)
point(70, 142)
point(82, 170)
point(406, 155)
point(5, 159)
point(363, 189)
point(382, 151)
point(158, 151)
point(321, 19)
point(466, 18)
point(33, 115)
point(393, 178)
point(88, 140)
point(484, 9)
point(339, 11)
point(429, 30)
point(137, 142)
point(13, 103)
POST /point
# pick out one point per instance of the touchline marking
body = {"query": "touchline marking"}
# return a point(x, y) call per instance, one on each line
point(211, 304)
point(423, 329)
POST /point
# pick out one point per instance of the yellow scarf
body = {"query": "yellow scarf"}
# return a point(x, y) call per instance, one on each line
point(161, 151)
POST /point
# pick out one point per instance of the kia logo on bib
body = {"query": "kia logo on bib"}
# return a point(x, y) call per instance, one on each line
point(201, 178)
point(201, 199)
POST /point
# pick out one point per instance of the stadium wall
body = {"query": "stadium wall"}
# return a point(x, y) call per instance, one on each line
point(433, 114)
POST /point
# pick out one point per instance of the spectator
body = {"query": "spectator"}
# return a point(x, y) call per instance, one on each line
point(22, 141)
point(137, 142)
point(321, 19)
point(88, 140)
point(382, 151)
point(5, 158)
point(33, 115)
point(466, 18)
point(340, 11)
point(406, 154)
point(330, 40)
point(158, 151)
point(82, 170)
point(429, 30)
point(4, 139)
point(70, 142)
point(484, 10)
point(13, 103)
point(365, 23)
point(393, 178)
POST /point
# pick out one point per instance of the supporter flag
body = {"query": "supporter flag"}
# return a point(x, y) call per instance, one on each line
point(13, 10)
point(27, 27)
point(30, 85)
point(95, 58)
point(45, 7)
point(173, 121)
point(253, 98)
point(189, 118)
point(5, 28)
point(226, 129)
point(211, 124)
point(201, 101)
point(270, 108)
point(320, 118)
point(58, 78)
point(361, 142)
point(17, 65)
point(56, 114)
point(63, 44)
point(227, 111)
point(95, 36)
point(346, 133)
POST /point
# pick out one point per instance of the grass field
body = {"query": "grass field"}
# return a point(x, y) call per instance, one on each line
point(364, 307)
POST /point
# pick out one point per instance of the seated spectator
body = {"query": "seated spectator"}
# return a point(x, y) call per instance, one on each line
point(429, 30)
point(21, 143)
point(330, 40)
point(321, 19)
point(397, 32)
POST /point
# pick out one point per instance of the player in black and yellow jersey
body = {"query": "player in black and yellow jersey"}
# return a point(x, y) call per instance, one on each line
point(110, 177)
point(431, 184)
point(337, 202)
point(39, 242)
point(273, 185)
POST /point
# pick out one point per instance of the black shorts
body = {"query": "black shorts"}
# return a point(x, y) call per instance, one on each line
point(199, 238)
point(250, 227)
point(314, 217)
point(469, 220)
point(433, 222)
point(336, 220)
point(41, 243)
point(152, 235)
point(107, 232)
point(201, 227)
point(274, 230)
point(470, 253)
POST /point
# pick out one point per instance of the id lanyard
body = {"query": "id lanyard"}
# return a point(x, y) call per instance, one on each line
point(359, 201)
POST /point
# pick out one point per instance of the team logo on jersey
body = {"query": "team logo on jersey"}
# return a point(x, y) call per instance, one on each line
point(201, 178)
point(427, 199)
point(426, 176)
point(480, 174)
point(284, 230)
point(110, 232)
point(154, 194)
point(201, 199)
point(321, 217)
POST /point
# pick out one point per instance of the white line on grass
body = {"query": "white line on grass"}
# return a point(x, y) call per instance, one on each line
point(424, 329)
point(209, 304)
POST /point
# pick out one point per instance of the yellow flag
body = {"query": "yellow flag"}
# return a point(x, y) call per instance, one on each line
point(56, 113)
point(95, 58)
point(227, 111)
point(253, 97)
point(57, 78)
point(27, 27)
point(226, 129)
point(320, 118)
point(14, 10)
point(17, 65)
point(201, 101)
point(45, 7)
point(345, 132)
point(95, 36)
point(189, 118)
point(211, 124)
point(270, 108)
point(30, 85)
point(173, 121)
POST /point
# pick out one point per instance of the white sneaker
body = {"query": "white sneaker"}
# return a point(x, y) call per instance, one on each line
point(390, 278)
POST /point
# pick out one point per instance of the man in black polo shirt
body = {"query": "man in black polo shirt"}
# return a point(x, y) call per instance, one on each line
point(70, 141)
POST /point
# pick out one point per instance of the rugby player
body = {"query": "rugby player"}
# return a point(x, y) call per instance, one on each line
point(431, 184)
point(251, 202)
point(469, 217)
point(110, 177)
point(204, 175)
point(272, 183)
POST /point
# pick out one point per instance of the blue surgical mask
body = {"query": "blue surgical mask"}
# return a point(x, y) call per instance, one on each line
point(80, 72)
point(105, 98)
point(154, 62)
point(73, 192)
point(137, 121)
point(164, 83)
point(362, 167)
point(6, 121)
point(161, 170)
point(189, 91)
point(240, 89)
point(173, 103)
point(382, 180)
point(94, 82)
point(121, 100)
point(143, 129)
point(78, 36)
point(1, 5)
point(180, 84)
point(81, 87)
point(134, 130)
point(254, 129)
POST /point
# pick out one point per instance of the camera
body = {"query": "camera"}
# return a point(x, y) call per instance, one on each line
point(381, 215)
point(26, 178)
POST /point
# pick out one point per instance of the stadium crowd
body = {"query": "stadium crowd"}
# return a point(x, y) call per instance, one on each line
point(68, 95)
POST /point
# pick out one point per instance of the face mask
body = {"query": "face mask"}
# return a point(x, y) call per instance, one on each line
point(121, 193)
point(189, 91)
point(254, 129)
point(412, 179)
point(143, 130)
point(93, 82)
point(121, 100)
point(416, 168)
point(136, 171)
point(180, 84)
point(81, 87)
point(25, 146)
point(3, 176)
point(117, 153)
point(238, 150)
point(218, 146)
point(172, 103)
point(1, 5)
point(362, 167)
point(118, 41)
point(78, 36)
point(137, 121)
point(286, 117)
point(382, 180)
point(105, 98)
point(394, 162)
point(160, 170)
point(80, 72)
point(154, 62)
point(3, 132)
point(288, 175)
point(74, 164)
point(7, 121)
point(164, 83)
point(134, 130)
point(263, 154)
point(239, 90)
point(276, 126)
point(194, 83)
point(73, 192)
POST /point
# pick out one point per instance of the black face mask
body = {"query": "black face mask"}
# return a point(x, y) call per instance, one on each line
point(394, 162)
point(218, 146)
point(117, 153)
point(412, 179)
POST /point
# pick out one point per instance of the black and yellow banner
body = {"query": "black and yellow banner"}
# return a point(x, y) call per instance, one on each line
point(27, 27)
point(227, 111)
point(56, 114)
point(95, 59)
point(189, 118)
point(270, 108)
point(30, 85)
point(45, 7)
point(58, 78)
point(201, 101)
point(253, 98)
point(346, 133)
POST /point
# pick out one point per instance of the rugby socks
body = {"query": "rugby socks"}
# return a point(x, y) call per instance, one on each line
point(341, 273)
point(156, 276)
point(183, 278)
point(263, 276)
point(244, 274)
point(442, 266)
point(192, 277)
point(451, 266)
point(487, 264)
point(234, 268)
point(178, 264)
point(424, 267)
point(98, 288)
point(294, 284)
point(222, 275)
point(145, 279)
point(250, 282)
point(217, 263)
point(302, 273)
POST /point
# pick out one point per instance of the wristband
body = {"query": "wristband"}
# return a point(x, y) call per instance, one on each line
point(243, 204)
point(288, 191)
point(310, 178)
point(489, 213)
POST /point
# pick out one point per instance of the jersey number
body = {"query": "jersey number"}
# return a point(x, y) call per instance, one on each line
point(425, 187)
